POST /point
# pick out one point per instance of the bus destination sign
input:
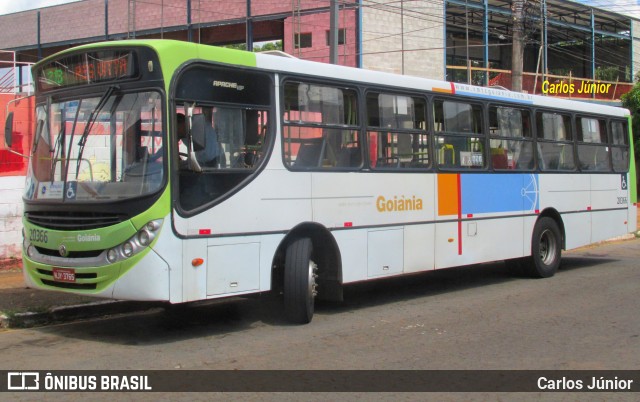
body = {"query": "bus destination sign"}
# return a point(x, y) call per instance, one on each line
point(86, 68)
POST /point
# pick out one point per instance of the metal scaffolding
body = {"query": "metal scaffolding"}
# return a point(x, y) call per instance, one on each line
point(13, 77)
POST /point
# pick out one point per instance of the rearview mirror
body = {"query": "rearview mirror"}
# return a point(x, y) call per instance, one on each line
point(8, 130)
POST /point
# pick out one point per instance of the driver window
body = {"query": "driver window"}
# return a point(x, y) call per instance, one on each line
point(225, 139)
point(233, 147)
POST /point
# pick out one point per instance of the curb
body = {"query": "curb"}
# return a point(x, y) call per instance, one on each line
point(73, 313)
point(628, 236)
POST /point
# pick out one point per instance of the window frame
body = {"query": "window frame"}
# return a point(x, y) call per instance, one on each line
point(178, 175)
point(625, 146)
point(482, 136)
point(539, 130)
point(530, 139)
point(342, 36)
point(371, 129)
point(355, 128)
point(304, 38)
point(581, 143)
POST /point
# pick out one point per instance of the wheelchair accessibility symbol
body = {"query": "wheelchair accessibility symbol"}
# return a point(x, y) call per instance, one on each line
point(623, 181)
point(72, 187)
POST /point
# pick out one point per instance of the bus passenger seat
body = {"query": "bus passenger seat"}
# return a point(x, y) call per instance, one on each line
point(349, 157)
point(499, 158)
point(308, 155)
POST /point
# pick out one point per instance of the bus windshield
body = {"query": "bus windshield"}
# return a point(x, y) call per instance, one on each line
point(98, 149)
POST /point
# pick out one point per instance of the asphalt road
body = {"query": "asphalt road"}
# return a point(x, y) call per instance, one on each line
point(478, 317)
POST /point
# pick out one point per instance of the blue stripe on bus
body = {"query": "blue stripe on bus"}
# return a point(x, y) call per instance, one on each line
point(491, 193)
point(493, 97)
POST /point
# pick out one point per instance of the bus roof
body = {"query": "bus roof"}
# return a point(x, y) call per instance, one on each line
point(324, 70)
point(278, 63)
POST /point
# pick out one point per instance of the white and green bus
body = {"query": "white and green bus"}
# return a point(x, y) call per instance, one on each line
point(171, 171)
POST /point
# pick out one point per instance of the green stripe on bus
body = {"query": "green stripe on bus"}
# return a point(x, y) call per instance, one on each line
point(633, 189)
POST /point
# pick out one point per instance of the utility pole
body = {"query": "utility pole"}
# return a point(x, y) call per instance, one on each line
point(333, 32)
point(517, 47)
point(249, 36)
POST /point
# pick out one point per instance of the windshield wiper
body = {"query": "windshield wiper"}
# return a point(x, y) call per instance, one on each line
point(57, 148)
point(92, 118)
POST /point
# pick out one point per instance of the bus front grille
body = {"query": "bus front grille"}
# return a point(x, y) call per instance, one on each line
point(70, 254)
point(74, 220)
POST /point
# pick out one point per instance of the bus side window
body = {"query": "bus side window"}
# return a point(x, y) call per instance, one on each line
point(619, 146)
point(460, 139)
point(555, 142)
point(320, 127)
point(593, 151)
point(397, 131)
point(511, 142)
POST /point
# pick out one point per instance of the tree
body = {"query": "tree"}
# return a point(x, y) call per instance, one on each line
point(631, 101)
point(275, 45)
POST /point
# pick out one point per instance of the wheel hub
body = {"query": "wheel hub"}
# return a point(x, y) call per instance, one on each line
point(313, 286)
point(547, 247)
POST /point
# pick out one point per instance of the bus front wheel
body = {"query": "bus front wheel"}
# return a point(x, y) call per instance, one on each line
point(300, 281)
point(546, 249)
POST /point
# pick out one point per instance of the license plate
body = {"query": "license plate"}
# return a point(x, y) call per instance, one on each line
point(64, 275)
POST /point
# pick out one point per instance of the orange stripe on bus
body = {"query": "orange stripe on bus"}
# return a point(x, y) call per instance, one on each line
point(442, 90)
point(448, 194)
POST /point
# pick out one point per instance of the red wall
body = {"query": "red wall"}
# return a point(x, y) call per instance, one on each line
point(318, 26)
point(23, 125)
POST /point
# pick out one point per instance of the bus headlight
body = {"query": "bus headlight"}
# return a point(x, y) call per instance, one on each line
point(31, 251)
point(127, 249)
point(153, 226)
point(135, 244)
point(112, 255)
point(144, 238)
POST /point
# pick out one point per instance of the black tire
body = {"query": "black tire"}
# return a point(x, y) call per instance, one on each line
point(299, 281)
point(546, 249)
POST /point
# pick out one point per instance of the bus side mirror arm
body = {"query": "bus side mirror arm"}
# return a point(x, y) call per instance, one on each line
point(197, 138)
point(196, 129)
point(193, 162)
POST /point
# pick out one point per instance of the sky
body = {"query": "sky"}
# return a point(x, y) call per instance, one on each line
point(630, 7)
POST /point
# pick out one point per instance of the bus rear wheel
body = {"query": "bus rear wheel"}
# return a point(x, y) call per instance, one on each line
point(546, 249)
point(300, 281)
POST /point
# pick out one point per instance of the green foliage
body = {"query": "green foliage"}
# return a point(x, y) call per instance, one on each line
point(269, 46)
point(277, 45)
point(631, 101)
point(607, 73)
point(236, 46)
